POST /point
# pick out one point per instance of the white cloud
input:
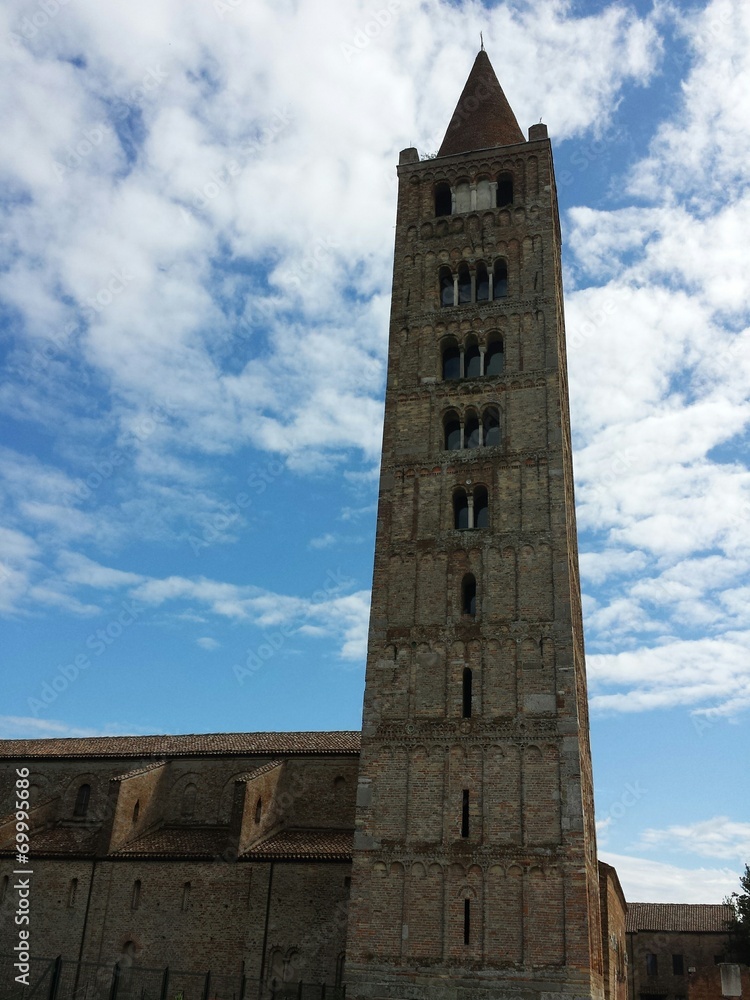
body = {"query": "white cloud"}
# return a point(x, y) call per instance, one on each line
point(719, 837)
point(207, 643)
point(647, 881)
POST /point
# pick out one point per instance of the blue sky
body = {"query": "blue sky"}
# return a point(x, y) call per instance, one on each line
point(196, 245)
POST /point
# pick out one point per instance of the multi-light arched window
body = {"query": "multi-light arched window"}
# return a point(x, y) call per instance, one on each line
point(469, 595)
point(469, 361)
point(443, 199)
point(474, 431)
point(467, 196)
point(504, 190)
point(471, 509)
point(464, 288)
point(83, 795)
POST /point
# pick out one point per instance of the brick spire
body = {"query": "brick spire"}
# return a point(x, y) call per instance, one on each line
point(483, 117)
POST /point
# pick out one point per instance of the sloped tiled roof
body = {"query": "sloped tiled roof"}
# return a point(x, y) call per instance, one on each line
point(698, 917)
point(198, 744)
point(140, 770)
point(483, 116)
point(64, 840)
point(256, 772)
point(177, 842)
point(304, 845)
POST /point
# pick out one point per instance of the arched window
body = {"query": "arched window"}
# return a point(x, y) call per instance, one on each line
point(481, 508)
point(340, 969)
point(443, 199)
point(463, 197)
point(469, 595)
point(491, 427)
point(484, 193)
point(83, 795)
point(466, 694)
point(135, 899)
point(494, 359)
point(446, 286)
point(258, 810)
point(483, 282)
point(472, 361)
point(136, 810)
point(504, 190)
point(500, 279)
point(471, 430)
point(451, 361)
point(464, 284)
point(188, 801)
point(460, 510)
point(452, 431)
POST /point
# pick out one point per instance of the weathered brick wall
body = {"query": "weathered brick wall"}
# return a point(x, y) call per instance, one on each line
point(521, 755)
point(707, 984)
point(699, 950)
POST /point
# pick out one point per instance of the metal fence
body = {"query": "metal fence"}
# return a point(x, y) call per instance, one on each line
point(59, 979)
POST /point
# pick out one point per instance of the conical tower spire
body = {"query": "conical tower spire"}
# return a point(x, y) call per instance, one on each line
point(483, 117)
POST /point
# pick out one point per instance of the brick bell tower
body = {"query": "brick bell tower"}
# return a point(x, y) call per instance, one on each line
point(475, 869)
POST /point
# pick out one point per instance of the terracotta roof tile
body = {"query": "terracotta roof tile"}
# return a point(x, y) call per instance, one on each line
point(65, 840)
point(304, 845)
point(256, 773)
point(139, 770)
point(483, 117)
point(705, 917)
point(198, 744)
point(177, 842)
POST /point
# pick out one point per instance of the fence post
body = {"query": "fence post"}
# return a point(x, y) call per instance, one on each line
point(115, 982)
point(56, 976)
point(165, 984)
point(207, 986)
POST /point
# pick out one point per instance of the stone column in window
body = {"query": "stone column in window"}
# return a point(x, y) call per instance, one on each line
point(470, 502)
point(482, 349)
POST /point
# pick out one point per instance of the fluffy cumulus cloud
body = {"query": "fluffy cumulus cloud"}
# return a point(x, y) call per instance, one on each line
point(718, 838)
point(647, 881)
point(660, 357)
point(194, 268)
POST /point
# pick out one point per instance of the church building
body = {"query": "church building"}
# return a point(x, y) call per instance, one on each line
point(449, 850)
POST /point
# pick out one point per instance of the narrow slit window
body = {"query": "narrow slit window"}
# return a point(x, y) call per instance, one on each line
point(464, 284)
point(500, 279)
point(504, 190)
point(188, 800)
point(473, 361)
point(481, 508)
point(443, 199)
point(258, 810)
point(460, 510)
point(465, 813)
point(451, 362)
point(135, 899)
point(136, 810)
point(72, 892)
point(467, 680)
point(186, 896)
point(494, 359)
point(469, 595)
point(83, 795)
point(467, 921)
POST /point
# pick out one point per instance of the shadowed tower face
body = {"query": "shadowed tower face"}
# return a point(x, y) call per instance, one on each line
point(475, 868)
